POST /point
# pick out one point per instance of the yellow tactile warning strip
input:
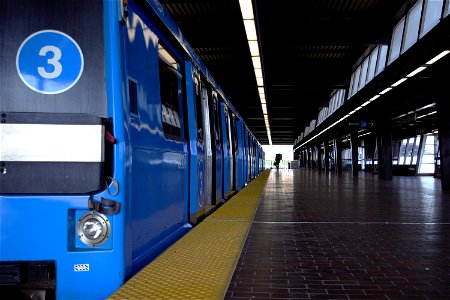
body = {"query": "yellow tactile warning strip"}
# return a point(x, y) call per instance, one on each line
point(200, 265)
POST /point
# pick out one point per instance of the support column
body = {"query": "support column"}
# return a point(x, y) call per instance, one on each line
point(308, 158)
point(303, 159)
point(319, 157)
point(354, 146)
point(305, 156)
point(444, 140)
point(384, 144)
point(327, 155)
point(338, 154)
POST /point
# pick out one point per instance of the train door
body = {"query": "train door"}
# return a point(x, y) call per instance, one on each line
point(249, 156)
point(208, 147)
point(234, 150)
point(218, 150)
point(240, 180)
point(158, 149)
point(244, 152)
point(254, 160)
point(197, 201)
point(227, 152)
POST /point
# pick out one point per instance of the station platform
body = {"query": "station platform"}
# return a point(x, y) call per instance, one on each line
point(315, 235)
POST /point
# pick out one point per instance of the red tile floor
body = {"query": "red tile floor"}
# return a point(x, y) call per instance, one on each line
point(318, 235)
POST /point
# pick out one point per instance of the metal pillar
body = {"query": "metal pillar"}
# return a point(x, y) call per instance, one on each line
point(338, 155)
point(319, 157)
point(354, 145)
point(384, 143)
point(326, 156)
point(444, 141)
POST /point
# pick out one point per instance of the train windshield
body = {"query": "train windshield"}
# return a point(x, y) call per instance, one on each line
point(55, 62)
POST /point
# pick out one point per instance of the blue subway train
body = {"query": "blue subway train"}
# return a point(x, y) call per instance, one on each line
point(114, 141)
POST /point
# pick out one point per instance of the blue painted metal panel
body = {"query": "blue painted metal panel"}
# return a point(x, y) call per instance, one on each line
point(117, 110)
point(52, 238)
point(197, 200)
point(158, 211)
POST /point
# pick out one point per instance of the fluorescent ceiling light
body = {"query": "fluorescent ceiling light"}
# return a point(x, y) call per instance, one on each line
point(438, 57)
point(256, 62)
point(358, 108)
point(385, 90)
point(254, 50)
point(416, 71)
point(259, 81)
point(250, 30)
point(258, 73)
point(246, 9)
point(426, 106)
point(374, 98)
point(400, 82)
point(365, 103)
point(261, 90)
point(431, 113)
point(364, 134)
point(263, 101)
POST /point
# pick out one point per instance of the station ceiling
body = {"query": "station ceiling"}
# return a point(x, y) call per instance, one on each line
point(308, 49)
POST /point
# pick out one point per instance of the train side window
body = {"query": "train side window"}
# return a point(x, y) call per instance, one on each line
point(234, 127)
point(227, 127)
point(217, 128)
point(132, 95)
point(199, 111)
point(171, 91)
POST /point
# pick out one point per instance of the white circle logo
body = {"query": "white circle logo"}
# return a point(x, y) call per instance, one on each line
point(49, 62)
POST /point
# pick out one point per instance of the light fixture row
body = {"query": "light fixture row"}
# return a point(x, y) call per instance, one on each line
point(386, 90)
point(252, 38)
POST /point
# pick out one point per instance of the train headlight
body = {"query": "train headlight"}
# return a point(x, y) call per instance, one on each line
point(93, 228)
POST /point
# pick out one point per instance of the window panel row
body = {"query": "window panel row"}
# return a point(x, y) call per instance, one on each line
point(418, 21)
point(371, 66)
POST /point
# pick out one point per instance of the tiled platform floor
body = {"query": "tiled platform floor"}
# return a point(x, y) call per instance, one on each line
point(323, 236)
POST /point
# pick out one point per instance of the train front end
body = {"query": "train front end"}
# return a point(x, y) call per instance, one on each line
point(61, 207)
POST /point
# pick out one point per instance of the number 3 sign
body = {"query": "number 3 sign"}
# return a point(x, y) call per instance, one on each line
point(49, 62)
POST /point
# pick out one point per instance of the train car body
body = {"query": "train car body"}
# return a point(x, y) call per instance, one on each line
point(115, 141)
